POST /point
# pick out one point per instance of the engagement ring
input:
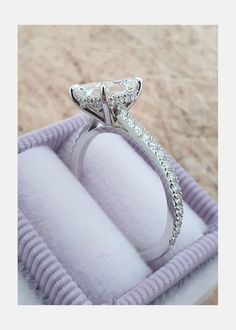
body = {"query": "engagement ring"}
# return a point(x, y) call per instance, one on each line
point(109, 103)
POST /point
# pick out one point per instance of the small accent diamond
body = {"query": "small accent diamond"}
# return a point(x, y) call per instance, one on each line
point(127, 98)
point(176, 231)
point(131, 122)
point(145, 136)
point(172, 240)
point(138, 129)
point(178, 222)
point(152, 144)
point(179, 211)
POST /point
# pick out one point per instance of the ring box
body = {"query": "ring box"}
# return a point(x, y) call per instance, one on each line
point(181, 280)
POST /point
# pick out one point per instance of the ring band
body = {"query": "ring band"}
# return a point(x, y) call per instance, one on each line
point(108, 103)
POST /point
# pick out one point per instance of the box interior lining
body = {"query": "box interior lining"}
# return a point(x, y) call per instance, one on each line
point(68, 291)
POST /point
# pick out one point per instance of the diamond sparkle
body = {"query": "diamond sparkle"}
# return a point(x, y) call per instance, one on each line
point(120, 94)
point(164, 161)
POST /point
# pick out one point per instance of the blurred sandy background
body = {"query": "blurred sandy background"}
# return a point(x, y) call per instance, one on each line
point(178, 65)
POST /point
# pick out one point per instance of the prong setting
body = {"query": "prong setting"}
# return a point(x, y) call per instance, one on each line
point(118, 95)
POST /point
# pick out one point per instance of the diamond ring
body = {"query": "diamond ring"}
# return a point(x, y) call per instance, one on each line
point(109, 103)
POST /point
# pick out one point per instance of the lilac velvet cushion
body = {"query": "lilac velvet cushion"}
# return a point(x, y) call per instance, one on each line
point(131, 194)
point(168, 271)
point(76, 229)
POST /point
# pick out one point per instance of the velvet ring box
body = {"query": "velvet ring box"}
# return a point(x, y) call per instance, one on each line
point(94, 241)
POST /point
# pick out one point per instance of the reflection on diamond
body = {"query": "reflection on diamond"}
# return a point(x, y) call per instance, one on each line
point(119, 94)
point(87, 91)
point(118, 87)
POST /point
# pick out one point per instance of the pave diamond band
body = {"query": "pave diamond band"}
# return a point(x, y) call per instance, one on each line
point(108, 103)
point(161, 156)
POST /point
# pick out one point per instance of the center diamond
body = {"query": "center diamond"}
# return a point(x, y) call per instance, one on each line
point(88, 91)
point(120, 95)
point(118, 87)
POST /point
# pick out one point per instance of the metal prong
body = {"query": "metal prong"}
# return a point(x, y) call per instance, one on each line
point(103, 94)
point(105, 106)
point(140, 81)
point(71, 90)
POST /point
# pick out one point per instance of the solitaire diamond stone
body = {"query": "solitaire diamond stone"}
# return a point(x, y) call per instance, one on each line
point(120, 87)
point(88, 91)
point(120, 94)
